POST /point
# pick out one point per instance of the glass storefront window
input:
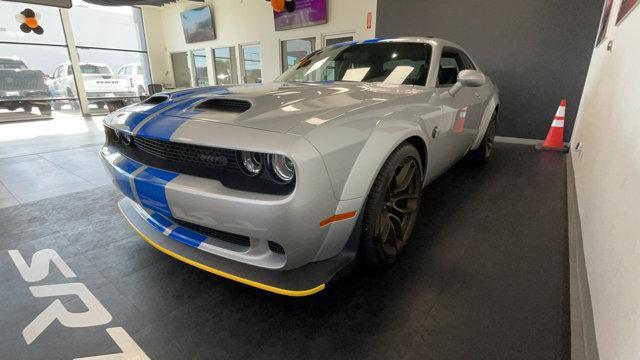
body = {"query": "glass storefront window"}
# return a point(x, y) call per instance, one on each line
point(294, 50)
point(28, 62)
point(224, 61)
point(113, 54)
point(113, 27)
point(251, 64)
point(49, 20)
point(200, 70)
point(110, 76)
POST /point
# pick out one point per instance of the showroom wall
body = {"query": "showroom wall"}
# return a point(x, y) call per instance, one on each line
point(537, 51)
point(607, 169)
point(248, 21)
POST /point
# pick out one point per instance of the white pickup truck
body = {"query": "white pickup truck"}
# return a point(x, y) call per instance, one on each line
point(100, 84)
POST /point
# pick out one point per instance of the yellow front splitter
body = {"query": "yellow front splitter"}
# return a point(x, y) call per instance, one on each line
point(305, 281)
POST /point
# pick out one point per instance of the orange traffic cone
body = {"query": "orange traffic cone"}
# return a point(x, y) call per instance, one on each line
point(554, 140)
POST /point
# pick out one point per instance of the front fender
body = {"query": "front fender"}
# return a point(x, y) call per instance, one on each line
point(382, 142)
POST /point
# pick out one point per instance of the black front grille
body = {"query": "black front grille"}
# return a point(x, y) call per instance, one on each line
point(196, 160)
point(239, 240)
point(192, 154)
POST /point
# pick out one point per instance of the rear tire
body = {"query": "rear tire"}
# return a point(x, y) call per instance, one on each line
point(45, 110)
point(27, 107)
point(392, 208)
point(483, 153)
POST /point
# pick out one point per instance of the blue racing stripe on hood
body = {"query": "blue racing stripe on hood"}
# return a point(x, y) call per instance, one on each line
point(134, 119)
point(164, 126)
point(150, 186)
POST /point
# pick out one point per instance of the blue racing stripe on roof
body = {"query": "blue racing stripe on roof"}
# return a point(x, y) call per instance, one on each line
point(373, 41)
point(150, 185)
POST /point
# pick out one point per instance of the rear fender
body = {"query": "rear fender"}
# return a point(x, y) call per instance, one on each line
point(486, 118)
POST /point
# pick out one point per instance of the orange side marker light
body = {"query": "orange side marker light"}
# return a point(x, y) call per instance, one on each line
point(337, 217)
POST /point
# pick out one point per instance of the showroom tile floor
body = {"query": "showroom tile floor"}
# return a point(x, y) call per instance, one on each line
point(42, 159)
point(485, 277)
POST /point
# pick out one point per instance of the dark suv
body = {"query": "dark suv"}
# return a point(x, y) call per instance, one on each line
point(22, 88)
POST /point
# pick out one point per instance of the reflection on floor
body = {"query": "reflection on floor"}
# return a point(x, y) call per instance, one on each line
point(42, 159)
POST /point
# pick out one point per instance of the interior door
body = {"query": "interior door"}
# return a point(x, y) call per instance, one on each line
point(181, 75)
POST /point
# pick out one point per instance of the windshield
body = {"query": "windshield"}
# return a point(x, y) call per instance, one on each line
point(390, 63)
point(11, 64)
point(94, 69)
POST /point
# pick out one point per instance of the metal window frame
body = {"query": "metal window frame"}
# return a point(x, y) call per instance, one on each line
point(74, 56)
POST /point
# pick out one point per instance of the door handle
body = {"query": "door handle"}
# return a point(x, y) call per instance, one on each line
point(477, 95)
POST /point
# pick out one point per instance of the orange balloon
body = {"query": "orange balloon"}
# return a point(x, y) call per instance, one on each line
point(277, 5)
point(31, 22)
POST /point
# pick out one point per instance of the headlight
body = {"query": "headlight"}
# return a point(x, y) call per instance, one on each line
point(282, 168)
point(250, 163)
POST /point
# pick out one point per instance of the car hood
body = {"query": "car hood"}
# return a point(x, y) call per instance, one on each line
point(280, 107)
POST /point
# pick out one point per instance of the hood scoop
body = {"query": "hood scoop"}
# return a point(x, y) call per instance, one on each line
point(156, 99)
point(225, 105)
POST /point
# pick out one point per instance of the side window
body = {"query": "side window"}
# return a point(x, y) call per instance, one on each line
point(469, 65)
point(451, 63)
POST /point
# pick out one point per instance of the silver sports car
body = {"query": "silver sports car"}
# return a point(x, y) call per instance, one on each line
point(282, 186)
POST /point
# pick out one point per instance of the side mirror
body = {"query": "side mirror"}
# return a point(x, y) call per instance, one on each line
point(471, 78)
point(468, 78)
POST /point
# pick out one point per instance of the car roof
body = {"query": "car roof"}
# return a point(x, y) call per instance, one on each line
point(414, 39)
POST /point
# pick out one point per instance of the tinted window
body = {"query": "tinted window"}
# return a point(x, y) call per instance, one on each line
point(94, 69)
point(451, 63)
point(387, 62)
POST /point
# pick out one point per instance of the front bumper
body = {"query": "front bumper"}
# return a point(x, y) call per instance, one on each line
point(294, 221)
point(304, 281)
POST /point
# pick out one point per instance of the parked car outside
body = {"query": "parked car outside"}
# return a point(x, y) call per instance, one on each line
point(135, 73)
point(101, 85)
point(23, 88)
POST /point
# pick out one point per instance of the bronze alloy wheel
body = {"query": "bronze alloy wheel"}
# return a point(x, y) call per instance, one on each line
point(392, 208)
point(398, 216)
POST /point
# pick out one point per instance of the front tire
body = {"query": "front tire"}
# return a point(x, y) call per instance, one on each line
point(392, 208)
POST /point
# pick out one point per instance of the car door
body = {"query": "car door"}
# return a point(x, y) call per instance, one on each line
point(461, 113)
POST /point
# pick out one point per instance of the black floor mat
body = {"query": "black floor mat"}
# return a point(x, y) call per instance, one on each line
point(484, 277)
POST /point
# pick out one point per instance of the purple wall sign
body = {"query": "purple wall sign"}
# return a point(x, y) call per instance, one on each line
point(307, 13)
